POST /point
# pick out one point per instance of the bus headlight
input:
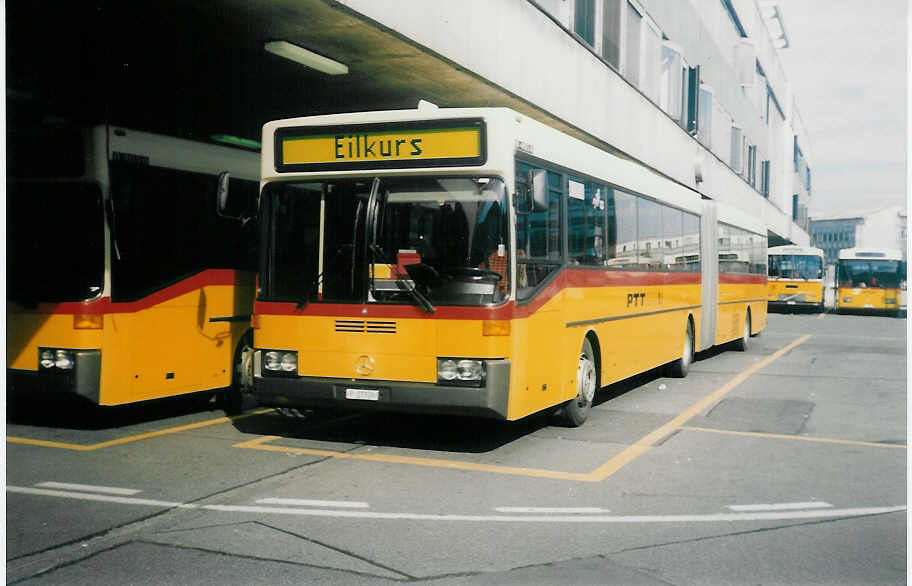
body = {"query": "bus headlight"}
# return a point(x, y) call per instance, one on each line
point(460, 371)
point(280, 361)
point(56, 358)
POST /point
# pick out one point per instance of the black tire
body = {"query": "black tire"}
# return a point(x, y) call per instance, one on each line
point(574, 412)
point(232, 399)
point(680, 367)
point(741, 343)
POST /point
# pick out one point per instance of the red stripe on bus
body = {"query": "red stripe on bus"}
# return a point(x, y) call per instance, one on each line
point(104, 305)
point(738, 279)
point(570, 278)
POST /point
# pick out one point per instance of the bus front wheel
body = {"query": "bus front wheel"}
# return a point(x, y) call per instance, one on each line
point(574, 412)
point(232, 398)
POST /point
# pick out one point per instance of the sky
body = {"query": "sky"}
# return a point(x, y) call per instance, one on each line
point(848, 65)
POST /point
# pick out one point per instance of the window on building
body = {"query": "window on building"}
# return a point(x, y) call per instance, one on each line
point(691, 105)
point(737, 149)
point(765, 178)
point(651, 61)
point(611, 31)
point(705, 115)
point(795, 207)
point(752, 165)
point(632, 45)
point(671, 80)
point(584, 20)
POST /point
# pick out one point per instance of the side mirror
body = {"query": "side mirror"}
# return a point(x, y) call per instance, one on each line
point(222, 195)
point(536, 197)
point(233, 205)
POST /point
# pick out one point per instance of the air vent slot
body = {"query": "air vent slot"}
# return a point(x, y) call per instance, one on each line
point(381, 327)
point(358, 326)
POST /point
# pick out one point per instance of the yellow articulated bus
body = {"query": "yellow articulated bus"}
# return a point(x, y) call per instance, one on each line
point(870, 280)
point(124, 283)
point(475, 261)
point(796, 277)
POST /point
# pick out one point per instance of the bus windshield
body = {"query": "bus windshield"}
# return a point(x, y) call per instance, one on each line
point(373, 240)
point(55, 241)
point(796, 266)
point(884, 274)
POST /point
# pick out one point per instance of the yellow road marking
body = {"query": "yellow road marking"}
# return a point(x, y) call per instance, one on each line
point(260, 444)
point(631, 453)
point(132, 438)
point(805, 438)
point(601, 473)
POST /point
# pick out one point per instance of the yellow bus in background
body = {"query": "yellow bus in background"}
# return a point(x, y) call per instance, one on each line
point(796, 277)
point(870, 280)
point(124, 283)
point(475, 261)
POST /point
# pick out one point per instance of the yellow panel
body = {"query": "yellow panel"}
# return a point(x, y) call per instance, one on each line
point(26, 331)
point(172, 348)
point(862, 298)
point(812, 290)
point(382, 145)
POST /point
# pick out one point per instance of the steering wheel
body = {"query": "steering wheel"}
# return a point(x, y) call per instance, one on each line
point(475, 273)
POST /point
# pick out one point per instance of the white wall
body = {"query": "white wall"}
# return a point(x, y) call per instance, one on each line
point(516, 46)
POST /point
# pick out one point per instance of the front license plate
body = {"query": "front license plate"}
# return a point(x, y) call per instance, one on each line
point(363, 394)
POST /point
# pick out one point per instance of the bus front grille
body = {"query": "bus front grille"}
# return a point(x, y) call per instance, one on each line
point(358, 326)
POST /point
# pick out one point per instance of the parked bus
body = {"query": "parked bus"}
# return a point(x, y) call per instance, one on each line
point(475, 261)
point(796, 277)
point(123, 281)
point(869, 279)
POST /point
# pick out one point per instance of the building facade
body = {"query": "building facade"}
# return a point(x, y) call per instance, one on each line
point(693, 88)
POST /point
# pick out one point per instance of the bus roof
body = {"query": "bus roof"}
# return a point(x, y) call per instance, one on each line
point(508, 134)
point(870, 254)
point(795, 249)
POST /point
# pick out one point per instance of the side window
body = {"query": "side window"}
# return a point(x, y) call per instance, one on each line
point(650, 237)
point(690, 250)
point(672, 234)
point(539, 236)
point(773, 266)
point(586, 210)
point(163, 219)
point(621, 229)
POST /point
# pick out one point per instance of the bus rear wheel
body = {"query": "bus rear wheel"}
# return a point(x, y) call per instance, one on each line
point(574, 412)
point(680, 367)
point(741, 343)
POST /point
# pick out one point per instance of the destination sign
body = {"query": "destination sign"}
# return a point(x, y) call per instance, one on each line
point(427, 143)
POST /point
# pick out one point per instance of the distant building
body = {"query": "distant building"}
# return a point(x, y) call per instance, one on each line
point(884, 228)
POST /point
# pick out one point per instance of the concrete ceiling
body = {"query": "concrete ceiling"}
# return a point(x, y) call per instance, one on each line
point(194, 69)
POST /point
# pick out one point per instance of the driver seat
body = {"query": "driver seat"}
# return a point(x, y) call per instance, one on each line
point(498, 264)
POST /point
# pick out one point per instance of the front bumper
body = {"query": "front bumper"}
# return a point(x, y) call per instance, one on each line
point(83, 380)
point(315, 392)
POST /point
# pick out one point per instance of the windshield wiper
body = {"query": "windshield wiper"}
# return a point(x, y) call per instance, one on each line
point(417, 295)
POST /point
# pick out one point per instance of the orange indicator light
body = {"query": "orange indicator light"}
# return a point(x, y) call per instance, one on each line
point(495, 327)
point(88, 322)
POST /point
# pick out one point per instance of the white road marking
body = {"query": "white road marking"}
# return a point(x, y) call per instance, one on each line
point(717, 517)
point(89, 488)
point(312, 503)
point(86, 496)
point(566, 510)
point(781, 506)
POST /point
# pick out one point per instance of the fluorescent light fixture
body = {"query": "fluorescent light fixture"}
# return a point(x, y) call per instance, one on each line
point(305, 57)
point(237, 141)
